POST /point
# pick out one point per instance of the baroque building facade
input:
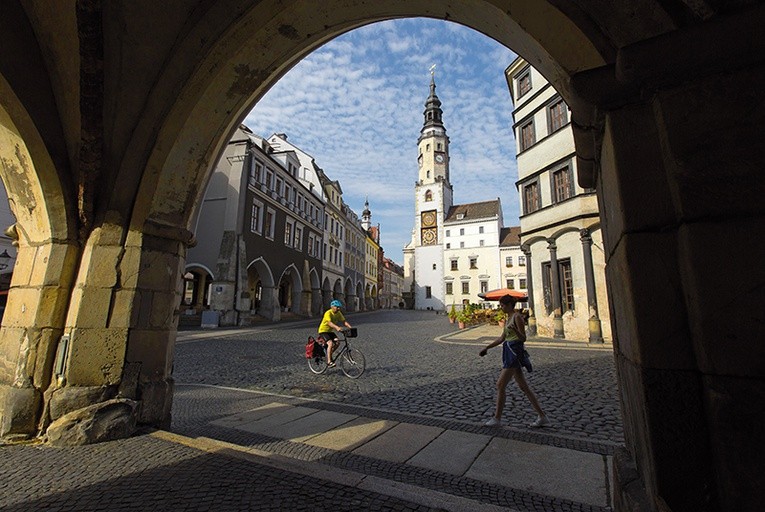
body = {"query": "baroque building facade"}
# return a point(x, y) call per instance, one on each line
point(561, 236)
point(273, 235)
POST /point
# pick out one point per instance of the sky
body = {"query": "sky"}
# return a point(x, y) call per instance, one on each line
point(356, 105)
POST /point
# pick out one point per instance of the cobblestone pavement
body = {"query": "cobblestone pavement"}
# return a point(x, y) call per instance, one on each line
point(146, 473)
point(408, 372)
point(410, 378)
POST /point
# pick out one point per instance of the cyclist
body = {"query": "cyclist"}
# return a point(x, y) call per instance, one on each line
point(331, 322)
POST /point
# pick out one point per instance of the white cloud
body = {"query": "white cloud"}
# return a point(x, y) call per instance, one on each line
point(356, 106)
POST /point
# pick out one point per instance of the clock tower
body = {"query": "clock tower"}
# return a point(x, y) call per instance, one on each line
point(433, 198)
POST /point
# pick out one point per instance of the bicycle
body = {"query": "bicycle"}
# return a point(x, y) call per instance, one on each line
point(351, 360)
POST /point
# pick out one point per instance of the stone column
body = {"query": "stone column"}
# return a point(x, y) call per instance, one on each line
point(680, 183)
point(316, 301)
point(33, 324)
point(555, 290)
point(532, 328)
point(269, 303)
point(596, 333)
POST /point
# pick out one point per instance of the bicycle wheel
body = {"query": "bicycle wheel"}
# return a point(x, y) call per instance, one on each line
point(352, 363)
point(318, 365)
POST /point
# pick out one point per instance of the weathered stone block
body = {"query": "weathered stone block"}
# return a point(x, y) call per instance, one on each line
point(154, 350)
point(18, 410)
point(96, 356)
point(40, 307)
point(106, 421)
point(90, 307)
point(725, 341)
point(736, 418)
point(100, 264)
point(653, 330)
point(625, 195)
point(156, 403)
point(124, 313)
point(715, 179)
point(44, 354)
point(71, 398)
point(11, 340)
point(54, 265)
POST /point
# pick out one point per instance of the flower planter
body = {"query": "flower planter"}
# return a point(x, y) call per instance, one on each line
point(461, 325)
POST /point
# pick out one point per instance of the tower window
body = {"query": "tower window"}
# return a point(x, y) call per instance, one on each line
point(439, 146)
point(429, 195)
point(427, 292)
point(428, 174)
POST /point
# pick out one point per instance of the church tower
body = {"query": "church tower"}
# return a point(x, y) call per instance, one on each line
point(433, 198)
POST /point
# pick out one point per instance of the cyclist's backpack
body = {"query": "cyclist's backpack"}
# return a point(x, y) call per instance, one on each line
point(313, 348)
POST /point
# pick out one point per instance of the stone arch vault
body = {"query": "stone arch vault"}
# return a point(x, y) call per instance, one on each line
point(112, 115)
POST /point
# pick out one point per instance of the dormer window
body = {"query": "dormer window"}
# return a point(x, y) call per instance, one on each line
point(460, 216)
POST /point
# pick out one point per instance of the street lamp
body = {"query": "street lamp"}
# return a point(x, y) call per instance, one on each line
point(5, 259)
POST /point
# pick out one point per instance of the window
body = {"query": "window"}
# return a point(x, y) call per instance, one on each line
point(449, 289)
point(462, 231)
point(522, 261)
point(531, 197)
point(269, 179)
point(255, 217)
point(527, 135)
point(522, 283)
point(298, 238)
point(557, 116)
point(439, 146)
point(508, 261)
point(462, 245)
point(454, 265)
point(473, 263)
point(562, 184)
point(288, 193)
point(510, 284)
point(448, 232)
point(480, 243)
point(287, 234)
point(428, 193)
point(428, 294)
point(448, 246)
point(434, 266)
point(484, 286)
point(465, 288)
point(279, 185)
point(310, 244)
point(256, 174)
point(269, 222)
point(524, 83)
point(480, 229)
point(565, 286)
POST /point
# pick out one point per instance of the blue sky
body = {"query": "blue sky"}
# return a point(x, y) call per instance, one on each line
point(356, 105)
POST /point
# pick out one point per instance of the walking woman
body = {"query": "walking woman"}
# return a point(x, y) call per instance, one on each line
point(513, 358)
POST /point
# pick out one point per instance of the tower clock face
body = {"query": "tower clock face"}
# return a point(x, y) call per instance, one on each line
point(429, 236)
point(428, 219)
point(440, 159)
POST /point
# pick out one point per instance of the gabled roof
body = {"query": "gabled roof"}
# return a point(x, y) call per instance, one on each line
point(474, 211)
point(510, 236)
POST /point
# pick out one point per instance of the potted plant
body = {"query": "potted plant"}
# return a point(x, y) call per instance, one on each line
point(500, 318)
point(462, 318)
point(452, 314)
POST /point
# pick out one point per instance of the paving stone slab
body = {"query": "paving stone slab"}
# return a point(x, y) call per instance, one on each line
point(309, 426)
point(546, 470)
point(242, 418)
point(399, 443)
point(280, 418)
point(452, 452)
point(351, 435)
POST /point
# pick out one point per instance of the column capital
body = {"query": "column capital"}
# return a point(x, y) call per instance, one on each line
point(584, 236)
point(525, 249)
point(551, 244)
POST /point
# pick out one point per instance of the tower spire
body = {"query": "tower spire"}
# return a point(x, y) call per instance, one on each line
point(433, 113)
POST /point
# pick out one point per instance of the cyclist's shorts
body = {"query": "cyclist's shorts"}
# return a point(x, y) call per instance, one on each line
point(332, 335)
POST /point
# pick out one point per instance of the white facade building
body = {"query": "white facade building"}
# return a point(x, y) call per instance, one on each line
point(561, 237)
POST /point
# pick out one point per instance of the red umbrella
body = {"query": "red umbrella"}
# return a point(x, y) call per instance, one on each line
point(498, 294)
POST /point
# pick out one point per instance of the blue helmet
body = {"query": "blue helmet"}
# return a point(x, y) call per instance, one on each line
point(336, 303)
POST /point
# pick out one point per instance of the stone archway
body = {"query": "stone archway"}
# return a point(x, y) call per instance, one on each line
point(652, 122)
point(262, 291)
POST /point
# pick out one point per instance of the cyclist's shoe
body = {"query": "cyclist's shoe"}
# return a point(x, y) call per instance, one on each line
point(331, 364)
point(493, 422)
